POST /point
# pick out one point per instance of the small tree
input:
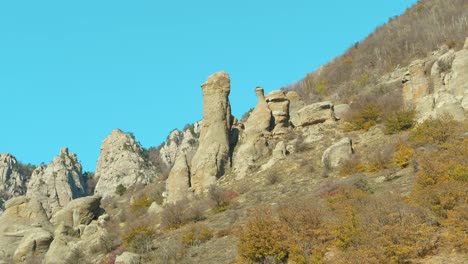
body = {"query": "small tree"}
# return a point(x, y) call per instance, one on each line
point(120, 190)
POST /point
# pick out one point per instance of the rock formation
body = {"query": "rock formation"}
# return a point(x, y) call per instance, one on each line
point(337, 153)
point(122, 161)
point(12, 182)
point(415, 82)
point(315, 113)
point(252, 144)
point(212, 157)
point(450, 86)
point(58, 183)
point(178, 182)
point(279, 106)
point(295, 104)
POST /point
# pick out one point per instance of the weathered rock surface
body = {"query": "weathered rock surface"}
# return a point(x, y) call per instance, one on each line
point(415, 82)
point(316, 113)
point(12, 182)
point(337, 153)
point(212, 157)
point(80, 211)
point(178, 182)
point(128, 258)
point(252, 143)
point(341, 110)
point(122, 161)
point(185, 141)
point(58, 183)
point(295, 104)
point(36, 241)
point(279, 106)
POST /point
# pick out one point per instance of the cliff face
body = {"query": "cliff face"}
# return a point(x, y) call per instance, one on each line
point(122, 161)
point(12, 182)
point(57, 183)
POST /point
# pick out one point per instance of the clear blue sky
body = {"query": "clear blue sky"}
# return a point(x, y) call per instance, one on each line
point(71, 71)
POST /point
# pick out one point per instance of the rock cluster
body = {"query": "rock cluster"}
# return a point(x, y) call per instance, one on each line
point(58, 183)
point(122, 161)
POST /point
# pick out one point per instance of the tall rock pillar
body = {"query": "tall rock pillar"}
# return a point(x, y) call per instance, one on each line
point(212, 156)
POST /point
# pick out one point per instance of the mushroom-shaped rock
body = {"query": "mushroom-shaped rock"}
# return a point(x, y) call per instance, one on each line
point(279, 106)
point(212, 157)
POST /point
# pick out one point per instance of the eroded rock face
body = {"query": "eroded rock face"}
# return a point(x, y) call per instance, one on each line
point(279, 106)
point(415, 82)
point(295, 104)
point(337, 153)
point(212, 156)
point(316, 113)
point(252, 144)
point(178, 182)
point(185, 141)
point(12, 182)
point(58, 183)
point(80, 211)
point(122, 161)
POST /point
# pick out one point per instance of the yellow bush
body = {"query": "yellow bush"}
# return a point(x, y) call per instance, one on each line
point(138, 239)
point(263, 237)
point(403, 155)
point(143, 202)
point(437, 131)
point(196, 234)
point(399, 120)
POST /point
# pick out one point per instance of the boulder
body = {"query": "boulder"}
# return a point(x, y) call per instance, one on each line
point(78, 212)
point(295, 104)
point(58, 183)
point(279, 106)
point(316, 113)
point(457, 82)
point(37, 241)
point(212, 157)
point(128, 258)
point(337, 153)
point(122, 161)
point(341, 110)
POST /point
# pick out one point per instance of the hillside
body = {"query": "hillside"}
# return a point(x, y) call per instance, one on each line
point(363, 161)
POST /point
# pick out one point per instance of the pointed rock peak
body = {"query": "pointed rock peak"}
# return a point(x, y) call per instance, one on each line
point(260, 94)
point(218, 81)
point(64, 151)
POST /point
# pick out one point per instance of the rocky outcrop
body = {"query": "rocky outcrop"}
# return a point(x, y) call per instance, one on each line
point(278, 103)
point(122, 161)
point(178, 182)
point(78, 212)
point(252, 143)
point(58, 183)
point(316, 113)
point(415, 82)
point(12, 182)
point(337, 153)
point(450, 87)
point(212, 157)
point(295, 104)
point(185, 141)
point(36, 241)
point(128, 258)
point(341, 110)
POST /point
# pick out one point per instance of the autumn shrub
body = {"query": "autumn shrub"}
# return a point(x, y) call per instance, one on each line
point(139, 239)
point(221, 197)
point(399, 120)
point(351, 166)
point(175, 215)
point(363, 115)
point(262, 237)
point(379, 158)
point(436, 130)
point(141, 203)
point(196, 234)
point(403, 155)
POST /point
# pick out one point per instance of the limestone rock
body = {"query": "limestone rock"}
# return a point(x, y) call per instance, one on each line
point(58, 183)
point(337, 153)
point(341, 110)
point(37, 241)
point(279, 106)
point(80, 211)
point(415, 82)
point(128, 258)
point(178, 182)
point(12, 182)
point(212, 157)
point(185, 141)
point(295, 104)
point(122, 161)
point(457, 82)
point(440, 70)
point(252, 144)
point(316, 113)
